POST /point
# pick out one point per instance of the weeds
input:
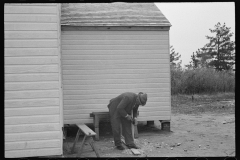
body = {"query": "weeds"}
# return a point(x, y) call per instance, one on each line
point(202, 80)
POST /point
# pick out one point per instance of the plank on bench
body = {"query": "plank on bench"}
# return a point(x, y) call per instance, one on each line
point(87, 131)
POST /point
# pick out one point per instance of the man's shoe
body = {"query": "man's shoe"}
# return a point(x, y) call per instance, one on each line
point(132, 146)
point(120, 147)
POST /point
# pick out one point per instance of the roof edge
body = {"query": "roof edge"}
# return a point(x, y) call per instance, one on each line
point(113, 28)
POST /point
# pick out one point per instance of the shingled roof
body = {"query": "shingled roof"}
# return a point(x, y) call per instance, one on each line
point(112, 14)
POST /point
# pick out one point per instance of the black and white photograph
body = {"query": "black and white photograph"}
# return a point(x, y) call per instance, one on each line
point(119, 79)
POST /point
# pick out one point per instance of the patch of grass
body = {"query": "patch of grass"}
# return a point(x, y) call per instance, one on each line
point(215, 103)
point(201, 80)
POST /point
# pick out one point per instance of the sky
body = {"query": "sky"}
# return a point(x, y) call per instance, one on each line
point(191, 23)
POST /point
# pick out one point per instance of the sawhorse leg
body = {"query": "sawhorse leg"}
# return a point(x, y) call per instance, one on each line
point(93, 146)
point(91, 142)
point(75, 141)
point(81, 147)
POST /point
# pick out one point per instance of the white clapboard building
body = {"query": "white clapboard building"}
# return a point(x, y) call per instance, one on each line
point(65, 61)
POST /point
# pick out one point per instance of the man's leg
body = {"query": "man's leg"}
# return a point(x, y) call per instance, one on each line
point(127, 131)
point(115, 123)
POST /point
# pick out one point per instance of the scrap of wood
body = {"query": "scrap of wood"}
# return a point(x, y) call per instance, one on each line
point(134, 151)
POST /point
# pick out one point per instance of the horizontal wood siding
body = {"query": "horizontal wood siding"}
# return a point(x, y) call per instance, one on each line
point(100, 65)
point(32, 92)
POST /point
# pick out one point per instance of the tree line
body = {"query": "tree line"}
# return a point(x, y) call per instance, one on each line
point(210, 68)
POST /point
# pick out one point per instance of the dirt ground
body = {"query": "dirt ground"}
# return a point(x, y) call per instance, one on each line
point(199, 128)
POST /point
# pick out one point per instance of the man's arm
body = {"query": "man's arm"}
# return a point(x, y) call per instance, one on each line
point(135, 110)
point(121, 106)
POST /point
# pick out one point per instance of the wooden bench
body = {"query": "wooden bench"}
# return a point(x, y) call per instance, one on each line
point(88, 133)
point(100, 115)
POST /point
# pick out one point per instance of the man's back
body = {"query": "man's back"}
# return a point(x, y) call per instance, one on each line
point(127, 101)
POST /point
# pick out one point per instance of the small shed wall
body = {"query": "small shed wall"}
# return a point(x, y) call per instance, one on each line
point(32, 104)
point(99, 65)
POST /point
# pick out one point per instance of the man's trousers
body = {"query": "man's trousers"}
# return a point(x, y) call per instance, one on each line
point(126, 130)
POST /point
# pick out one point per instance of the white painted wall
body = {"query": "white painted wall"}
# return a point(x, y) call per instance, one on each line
point(32, 101)
point(100, 65)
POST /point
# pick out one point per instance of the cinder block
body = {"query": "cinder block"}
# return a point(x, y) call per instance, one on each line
point(165, 126)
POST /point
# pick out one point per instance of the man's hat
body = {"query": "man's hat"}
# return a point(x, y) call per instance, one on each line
point(142, 98)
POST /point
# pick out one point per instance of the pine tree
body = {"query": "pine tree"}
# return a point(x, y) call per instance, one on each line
point(202, 58)
point(194, 61)
point(220, 50)
point(174, 58)
point(198, 60)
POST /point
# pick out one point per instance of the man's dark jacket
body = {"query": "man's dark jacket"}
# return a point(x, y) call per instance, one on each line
point(123, 105)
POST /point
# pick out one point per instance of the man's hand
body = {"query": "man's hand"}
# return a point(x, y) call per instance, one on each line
point(129, 118)
point(135, 122)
